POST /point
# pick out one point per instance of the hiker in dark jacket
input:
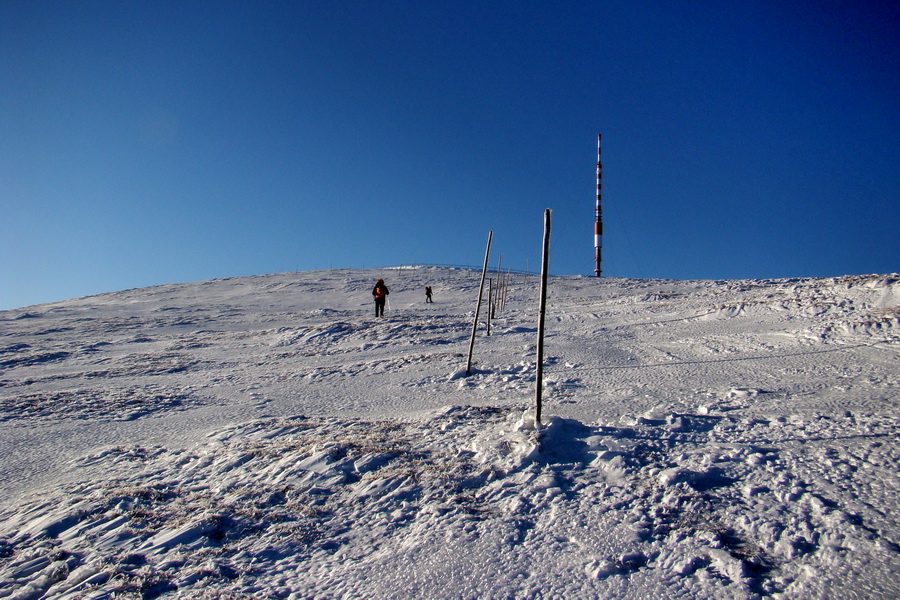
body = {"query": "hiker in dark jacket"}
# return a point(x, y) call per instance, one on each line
point(380, 292)
point(428, 294)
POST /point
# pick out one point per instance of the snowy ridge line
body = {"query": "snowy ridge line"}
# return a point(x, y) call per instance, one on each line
point(721, 360)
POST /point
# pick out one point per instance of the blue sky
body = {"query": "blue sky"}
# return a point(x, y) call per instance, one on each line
point(145, 143)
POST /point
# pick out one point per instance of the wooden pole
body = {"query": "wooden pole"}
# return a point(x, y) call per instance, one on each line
point(490, 312)
point(495, 305)
point(487, 253)
point(506, 278)
point(539, 372)
point(498, 295)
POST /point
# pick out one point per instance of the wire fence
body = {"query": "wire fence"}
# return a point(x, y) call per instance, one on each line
point(416, 266)
point(462, 267)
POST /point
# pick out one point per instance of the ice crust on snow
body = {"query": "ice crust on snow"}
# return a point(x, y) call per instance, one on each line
point(265, 437)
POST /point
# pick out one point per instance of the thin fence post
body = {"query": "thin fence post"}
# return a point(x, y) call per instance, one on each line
point(503, 291)
point(490, 312)
point(499, 283)
point(539, 372)
point(487, 253)
point(506, 286)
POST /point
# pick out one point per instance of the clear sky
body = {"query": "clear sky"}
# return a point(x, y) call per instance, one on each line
point(171, 141)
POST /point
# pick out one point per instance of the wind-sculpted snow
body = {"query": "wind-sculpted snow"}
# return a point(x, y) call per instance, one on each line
point(686, 505)
point(267, 438)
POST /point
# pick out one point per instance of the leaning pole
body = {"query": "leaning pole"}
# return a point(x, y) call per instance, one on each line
point(487, 253)
point(539, 371)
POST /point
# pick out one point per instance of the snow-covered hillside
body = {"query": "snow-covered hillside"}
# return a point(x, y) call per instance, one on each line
point(268, 437)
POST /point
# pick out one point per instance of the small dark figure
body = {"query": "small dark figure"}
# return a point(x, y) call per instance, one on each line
point(428, 294)
point(380, 293)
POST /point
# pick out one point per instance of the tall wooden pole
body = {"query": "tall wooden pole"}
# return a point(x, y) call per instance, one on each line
point(487, 253)
point(539, 372)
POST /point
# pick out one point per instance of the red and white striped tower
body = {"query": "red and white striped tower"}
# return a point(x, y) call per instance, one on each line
point(598, 224)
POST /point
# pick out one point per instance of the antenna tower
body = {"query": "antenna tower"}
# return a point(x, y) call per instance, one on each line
point(598, 224)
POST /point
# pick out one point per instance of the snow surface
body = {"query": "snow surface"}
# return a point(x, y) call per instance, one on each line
point(267, 437)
